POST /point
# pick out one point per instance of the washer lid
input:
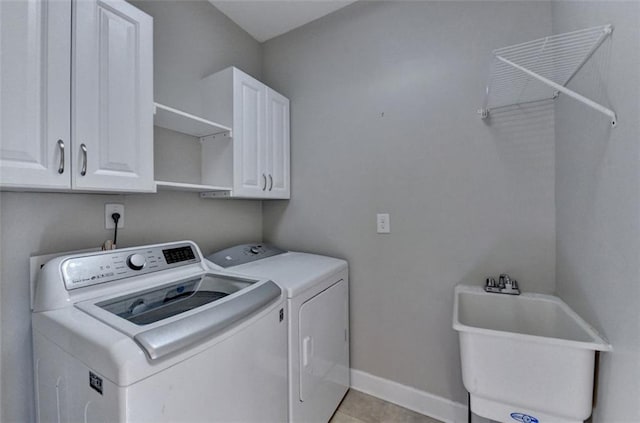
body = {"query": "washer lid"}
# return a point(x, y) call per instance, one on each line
point(294, 272)
point(166, 319)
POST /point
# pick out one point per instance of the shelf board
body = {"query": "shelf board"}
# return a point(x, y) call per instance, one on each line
point(183, 122)
point(180, 186)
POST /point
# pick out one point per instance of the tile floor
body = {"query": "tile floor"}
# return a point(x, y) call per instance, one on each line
point(358, 407)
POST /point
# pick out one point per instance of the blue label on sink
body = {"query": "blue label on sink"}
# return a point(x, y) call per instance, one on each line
point(524, 418)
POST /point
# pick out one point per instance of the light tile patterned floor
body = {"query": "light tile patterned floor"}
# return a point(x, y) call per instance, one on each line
point(358, 407)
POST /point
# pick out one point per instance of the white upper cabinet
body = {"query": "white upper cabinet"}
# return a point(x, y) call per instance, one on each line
point(259, 118)
point(249, 148)
point(76, 87)
point(35, 59)
point(277, 151)
point(112, 97)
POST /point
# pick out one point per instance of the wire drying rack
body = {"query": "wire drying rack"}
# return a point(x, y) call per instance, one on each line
point(541, 69)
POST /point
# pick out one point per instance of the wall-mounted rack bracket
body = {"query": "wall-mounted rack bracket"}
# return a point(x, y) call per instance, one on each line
point(228, 135)
point(540, 70)
point(216, 194)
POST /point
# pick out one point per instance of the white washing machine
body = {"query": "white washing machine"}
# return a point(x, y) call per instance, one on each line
point(317, 290)
point(151, 334)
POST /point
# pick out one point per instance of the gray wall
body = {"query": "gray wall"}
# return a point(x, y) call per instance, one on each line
point(598, 200)
point(192, 39)
point(383, 99)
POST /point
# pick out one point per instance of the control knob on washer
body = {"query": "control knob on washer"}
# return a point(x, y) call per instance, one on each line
point(136, 261)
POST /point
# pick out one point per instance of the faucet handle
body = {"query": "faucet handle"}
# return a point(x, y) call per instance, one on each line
point(491, 285)
point(514, 284)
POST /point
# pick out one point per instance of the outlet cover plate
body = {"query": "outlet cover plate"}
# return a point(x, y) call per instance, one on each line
point(109, 209)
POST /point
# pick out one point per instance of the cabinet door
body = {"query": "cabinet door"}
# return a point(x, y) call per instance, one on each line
point(35, 45)
point(250, 175)
point(277, 151)
point(112, 97)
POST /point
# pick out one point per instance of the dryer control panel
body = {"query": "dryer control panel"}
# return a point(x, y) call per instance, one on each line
point(108, 266)
point(245, 253)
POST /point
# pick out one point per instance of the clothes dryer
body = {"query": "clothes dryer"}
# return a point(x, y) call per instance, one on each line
point(317, 290)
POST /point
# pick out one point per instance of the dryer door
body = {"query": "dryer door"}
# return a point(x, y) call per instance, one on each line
point(324, 343)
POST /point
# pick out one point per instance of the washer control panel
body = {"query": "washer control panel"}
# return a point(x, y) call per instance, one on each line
point(108, 266)
point(245, 253)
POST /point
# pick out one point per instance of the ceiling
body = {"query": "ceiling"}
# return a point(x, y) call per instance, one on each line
point(265, 19)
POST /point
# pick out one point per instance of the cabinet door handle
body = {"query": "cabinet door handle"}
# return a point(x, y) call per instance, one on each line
point(61, 148)
point(264, 185)
point(270, 182)
point(83, 171)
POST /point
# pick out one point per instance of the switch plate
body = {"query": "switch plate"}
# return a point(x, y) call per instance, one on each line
point(109, 209)
point(383, 223)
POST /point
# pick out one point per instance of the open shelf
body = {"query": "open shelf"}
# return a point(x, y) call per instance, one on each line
point(179, 121)
point(541, 69)
point(180, 186)
point(179, 153)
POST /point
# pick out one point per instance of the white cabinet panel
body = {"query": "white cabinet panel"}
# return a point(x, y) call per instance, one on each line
point(277, 151)
point(112, 97)
point(249, 118)
point(34, 94)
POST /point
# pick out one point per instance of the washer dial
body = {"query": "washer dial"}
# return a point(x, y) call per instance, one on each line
point(136, 261)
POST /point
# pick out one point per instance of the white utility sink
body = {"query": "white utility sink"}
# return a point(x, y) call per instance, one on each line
point(526, 358)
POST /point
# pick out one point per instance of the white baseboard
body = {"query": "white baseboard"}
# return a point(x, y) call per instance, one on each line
point(420, 401)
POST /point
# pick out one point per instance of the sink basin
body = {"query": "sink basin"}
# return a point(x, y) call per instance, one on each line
point(526, 358)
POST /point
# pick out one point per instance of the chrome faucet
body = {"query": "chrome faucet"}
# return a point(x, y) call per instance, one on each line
point(505, 285)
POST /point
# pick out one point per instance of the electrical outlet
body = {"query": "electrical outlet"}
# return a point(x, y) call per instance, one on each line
point(110, 209)
point(384, 224)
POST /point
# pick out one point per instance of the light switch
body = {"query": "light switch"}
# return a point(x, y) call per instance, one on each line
point(384, 224)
